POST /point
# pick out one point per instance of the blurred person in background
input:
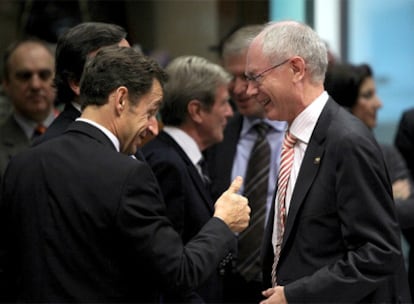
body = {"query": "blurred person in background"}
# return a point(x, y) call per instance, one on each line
point(28, 71)
point(74, 46)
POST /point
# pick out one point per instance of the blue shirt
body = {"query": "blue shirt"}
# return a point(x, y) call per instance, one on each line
point(245, 145)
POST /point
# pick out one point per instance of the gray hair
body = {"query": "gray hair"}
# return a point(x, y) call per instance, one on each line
point(285, 39)
point(240, 40)
point(190, 77)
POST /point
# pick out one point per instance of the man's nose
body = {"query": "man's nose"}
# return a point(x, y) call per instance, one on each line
point(153, 126)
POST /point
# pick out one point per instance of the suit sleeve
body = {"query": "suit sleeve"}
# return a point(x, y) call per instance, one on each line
point(398, 171)
point(146, 229)
point(404, 139)
point(173, 188)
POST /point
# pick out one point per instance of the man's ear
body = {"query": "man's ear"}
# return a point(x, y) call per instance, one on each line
point(120, 96)
point(194, 110)
point(298, 66)
point(74, 85)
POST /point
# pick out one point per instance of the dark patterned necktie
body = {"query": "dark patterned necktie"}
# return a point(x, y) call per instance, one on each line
point(204, 170)
point(255, 189)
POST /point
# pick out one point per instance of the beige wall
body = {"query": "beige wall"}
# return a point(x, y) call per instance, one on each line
point(179, 27)
point(186, 27)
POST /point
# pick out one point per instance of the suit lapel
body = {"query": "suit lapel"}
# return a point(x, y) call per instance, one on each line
point(192, 170)
point(195, 176)
point(220, 157)
point(310, 165)
point(231, 134)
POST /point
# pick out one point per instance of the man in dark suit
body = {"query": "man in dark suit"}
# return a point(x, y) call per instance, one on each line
point(91, 226)
point(231, 157)
point(404, 141)
point(72, 50)
point(194, 113)
point(28, 83)
point(332, 235)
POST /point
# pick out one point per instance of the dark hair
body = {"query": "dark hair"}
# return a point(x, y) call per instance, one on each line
point(13, 46)
point(343, 82)
point(116, 66)
point(73, 48)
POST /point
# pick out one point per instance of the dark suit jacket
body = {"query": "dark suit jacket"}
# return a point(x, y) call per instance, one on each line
point(397, 169)
point(60, 124)
point(189, 204)
point(220, 157)
point(91, 226)
point(342, 240)
point(404, 141)
point(12, 141)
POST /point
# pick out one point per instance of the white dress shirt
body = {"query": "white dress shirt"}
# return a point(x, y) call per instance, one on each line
point(108, 133)
point(188, 144)
point(302, 128)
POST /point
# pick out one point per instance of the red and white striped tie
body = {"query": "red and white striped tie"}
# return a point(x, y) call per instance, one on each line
point(286, 162)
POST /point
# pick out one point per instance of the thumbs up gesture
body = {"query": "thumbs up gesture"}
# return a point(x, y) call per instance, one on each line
point(233, 208)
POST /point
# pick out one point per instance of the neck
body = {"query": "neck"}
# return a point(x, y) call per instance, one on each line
point(193, 132)
point(100, 115)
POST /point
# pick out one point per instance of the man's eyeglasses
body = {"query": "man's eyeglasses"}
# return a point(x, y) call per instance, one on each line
point(256, 78)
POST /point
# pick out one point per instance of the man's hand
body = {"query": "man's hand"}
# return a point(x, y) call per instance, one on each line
point(401, 189)
point(233, 208)
point(275, 295)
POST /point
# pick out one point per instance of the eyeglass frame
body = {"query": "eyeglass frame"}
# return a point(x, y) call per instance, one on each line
point(255, 78)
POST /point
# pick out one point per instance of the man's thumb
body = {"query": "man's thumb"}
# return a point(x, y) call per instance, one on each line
point(236, 184)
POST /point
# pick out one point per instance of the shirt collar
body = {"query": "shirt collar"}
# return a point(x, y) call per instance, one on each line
point(186, 142)
point(108, 133)
point(28, 126)
point(304, 124)
point(248, 123)
point(77, 106)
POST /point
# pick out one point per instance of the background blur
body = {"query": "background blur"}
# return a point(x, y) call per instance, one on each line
point(380, 33)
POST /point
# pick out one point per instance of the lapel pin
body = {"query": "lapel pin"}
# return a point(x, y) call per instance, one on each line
point(317, 160)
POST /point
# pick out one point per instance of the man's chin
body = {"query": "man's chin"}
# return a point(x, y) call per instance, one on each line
point(131, 150)
point(269, 113)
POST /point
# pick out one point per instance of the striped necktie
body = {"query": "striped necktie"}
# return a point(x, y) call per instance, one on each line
point(286, 162)
point(256, 184)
